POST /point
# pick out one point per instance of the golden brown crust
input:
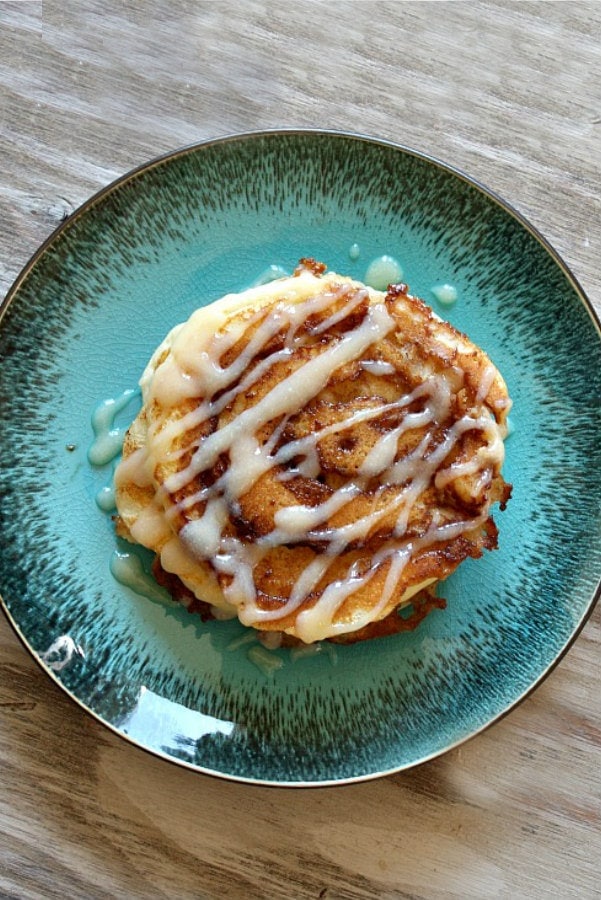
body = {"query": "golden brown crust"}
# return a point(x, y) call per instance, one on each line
point(422, 604)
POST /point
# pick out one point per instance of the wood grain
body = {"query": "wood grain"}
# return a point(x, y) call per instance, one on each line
point(510, 93)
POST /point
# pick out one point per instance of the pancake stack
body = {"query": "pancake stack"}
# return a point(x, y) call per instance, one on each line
point(313, 456)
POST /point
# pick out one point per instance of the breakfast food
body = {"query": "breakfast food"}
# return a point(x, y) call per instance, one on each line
point(313, 455)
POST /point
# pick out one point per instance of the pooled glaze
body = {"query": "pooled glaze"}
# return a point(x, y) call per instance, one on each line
point(105, 498)
point(108, 439)
point(382, 271)
point(127, 569)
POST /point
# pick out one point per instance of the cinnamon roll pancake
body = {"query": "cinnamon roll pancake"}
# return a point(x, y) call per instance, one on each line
point(313, 455)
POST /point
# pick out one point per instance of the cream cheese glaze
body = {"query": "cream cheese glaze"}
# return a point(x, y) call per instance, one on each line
point(194, 477)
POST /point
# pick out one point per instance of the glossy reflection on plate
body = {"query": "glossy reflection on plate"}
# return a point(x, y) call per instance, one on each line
point(78, 328)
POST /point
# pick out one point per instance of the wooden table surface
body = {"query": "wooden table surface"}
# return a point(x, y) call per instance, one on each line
point(509, 92)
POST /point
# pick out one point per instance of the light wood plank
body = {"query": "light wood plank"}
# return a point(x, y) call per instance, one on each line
point(510, 93)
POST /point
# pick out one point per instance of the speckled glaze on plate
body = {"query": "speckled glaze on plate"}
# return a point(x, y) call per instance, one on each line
point(81, 322)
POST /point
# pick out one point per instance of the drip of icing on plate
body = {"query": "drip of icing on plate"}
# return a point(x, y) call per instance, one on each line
point(109, 438)
point(127, 569)
point(382, 271)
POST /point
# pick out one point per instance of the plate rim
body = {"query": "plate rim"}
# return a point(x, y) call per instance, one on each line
point(154, 162)
point(235, 137)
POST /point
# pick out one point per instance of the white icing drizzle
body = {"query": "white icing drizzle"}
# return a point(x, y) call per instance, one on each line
point(377, 367)
point(193, 369)
point(486, 382)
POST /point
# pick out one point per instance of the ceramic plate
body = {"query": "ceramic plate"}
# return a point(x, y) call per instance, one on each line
point(80, 324)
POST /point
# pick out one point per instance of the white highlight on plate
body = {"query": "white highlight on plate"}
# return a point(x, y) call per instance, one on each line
point(60, 653)
point(167, 725)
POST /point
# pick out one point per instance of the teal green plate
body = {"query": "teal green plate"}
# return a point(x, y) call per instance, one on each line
point(78, 327)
